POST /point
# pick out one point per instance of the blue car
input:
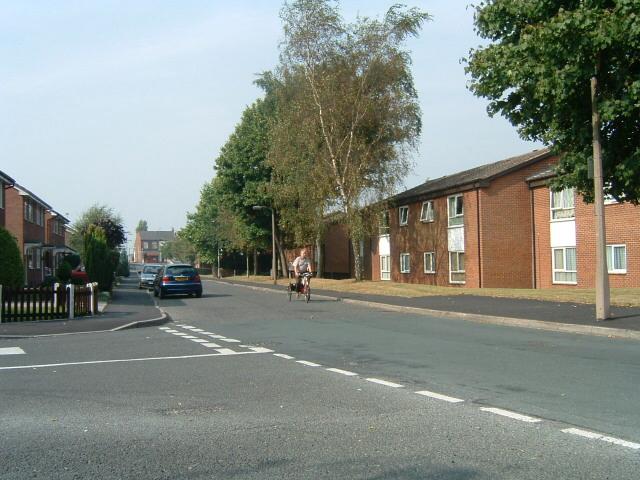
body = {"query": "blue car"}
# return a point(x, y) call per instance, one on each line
point(177, 280)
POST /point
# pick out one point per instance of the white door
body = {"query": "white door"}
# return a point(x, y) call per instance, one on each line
point(385, 267)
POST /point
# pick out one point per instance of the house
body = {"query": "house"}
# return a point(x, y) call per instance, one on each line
point(25, 219)
point(5, 182)
point(55, 247)
point(564, 239)
point(148, 244)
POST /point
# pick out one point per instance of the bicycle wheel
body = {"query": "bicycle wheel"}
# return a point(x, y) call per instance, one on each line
point(289, 291)
point(307, 292)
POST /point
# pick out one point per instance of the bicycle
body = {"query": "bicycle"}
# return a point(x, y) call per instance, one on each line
point(305, 287)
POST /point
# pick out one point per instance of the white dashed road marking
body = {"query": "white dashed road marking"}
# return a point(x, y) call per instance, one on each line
point(343, 372)
point(284, 355)
point(228, 351)
point(604, 438)
point(190, 337)
point(439, 396)
point(260, 350)
point(211, 345)
point(228, 340)
point(11, 351)
point(198, 340)
point(509, 414)
point(384, 382)
point(308, 364)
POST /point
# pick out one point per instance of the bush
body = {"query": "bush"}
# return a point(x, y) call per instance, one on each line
point(11, 267)
point(49, 281)
point(64, 272)
point(73, 260)
point(99, 259)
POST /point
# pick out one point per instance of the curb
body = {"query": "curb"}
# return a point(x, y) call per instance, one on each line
point(617, 333)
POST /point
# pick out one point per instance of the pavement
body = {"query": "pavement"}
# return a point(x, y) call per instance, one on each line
point(564, 316)
point(129, 307)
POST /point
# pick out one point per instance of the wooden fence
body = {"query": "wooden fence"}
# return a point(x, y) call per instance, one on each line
point(47, 303)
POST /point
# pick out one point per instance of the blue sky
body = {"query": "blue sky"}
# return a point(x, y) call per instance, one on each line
point(127, 102)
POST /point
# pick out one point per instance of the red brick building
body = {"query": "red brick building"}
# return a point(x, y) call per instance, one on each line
point(5, 182)
point(564, 239)
point(472, 228)
point(147, 245)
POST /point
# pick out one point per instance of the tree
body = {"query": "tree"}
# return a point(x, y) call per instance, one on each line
point(11, 266)
point(99, 258)
point(123, 264)
point(537, 70)
point(101, 216)
point(142, 226)
point(179, 249)
point(349, 99)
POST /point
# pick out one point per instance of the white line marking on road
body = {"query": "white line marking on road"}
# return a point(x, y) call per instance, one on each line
point(229, 340)
point(284, 355)
point(164, 328)
point(198, 340)
point(190, 337)
point(439, 396)
point(11, 351)
point(171, 331)
point(213, 335)
point(211, 345)
point(180, 334)
point(124, 360)
point(260, 350)
point(384, 382)
point(308, 364)
point(188, 327)
point(227, 351)
point(343, 372)
point(197, 330)
point(513, 415)
point(207, 333)
point(604, 438)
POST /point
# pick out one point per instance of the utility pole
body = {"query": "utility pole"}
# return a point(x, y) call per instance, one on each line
point(602, 275)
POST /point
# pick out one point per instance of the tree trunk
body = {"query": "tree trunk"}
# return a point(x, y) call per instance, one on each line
point(319, 258)
point(283, 260)
point(357, 258)
point(246, 254)
point(255, 262)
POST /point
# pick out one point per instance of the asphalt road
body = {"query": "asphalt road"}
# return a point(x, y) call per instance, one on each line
point(153, 403)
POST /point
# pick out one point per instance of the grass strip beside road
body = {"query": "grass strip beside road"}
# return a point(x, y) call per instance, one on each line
point(621, 297)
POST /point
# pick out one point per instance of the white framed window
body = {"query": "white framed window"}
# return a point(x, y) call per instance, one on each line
point(403, 215)
point(563, 204)
point(429, 262)
point(384, 223)
point(385, 267)
point(405, 263)
point(145, 245)
point(427, 214)
point(455, 210)
point(617, 258)
point(564, 265)
point(456, 267)
point(154, 245)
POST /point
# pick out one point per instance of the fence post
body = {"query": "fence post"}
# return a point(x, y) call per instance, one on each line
point(90, 287)
point(56, 286)
point(72, 301)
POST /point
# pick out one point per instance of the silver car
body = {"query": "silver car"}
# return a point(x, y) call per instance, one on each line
point(148, 275)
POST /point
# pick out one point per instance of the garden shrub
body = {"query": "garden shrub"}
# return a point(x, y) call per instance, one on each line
point(11, 266)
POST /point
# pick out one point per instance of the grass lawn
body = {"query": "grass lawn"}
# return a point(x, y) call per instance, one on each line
point(622, 297)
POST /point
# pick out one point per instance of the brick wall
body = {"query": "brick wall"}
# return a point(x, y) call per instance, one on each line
point(2, 204)
point(14, 215)
point(337, 257)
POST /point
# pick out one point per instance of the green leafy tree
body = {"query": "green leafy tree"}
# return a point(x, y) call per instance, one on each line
point(349, 98)
point(99, 258)
point(142, 226)
point(123, 264)
point(536, 72)
point(179, 249)
point(11, 266)
point(103, 217)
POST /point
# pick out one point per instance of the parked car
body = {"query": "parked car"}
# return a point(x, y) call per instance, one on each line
point(177, 279)
point(148, 275)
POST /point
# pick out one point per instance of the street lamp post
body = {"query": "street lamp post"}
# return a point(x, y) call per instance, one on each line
point(274, 273)
point(217, 253)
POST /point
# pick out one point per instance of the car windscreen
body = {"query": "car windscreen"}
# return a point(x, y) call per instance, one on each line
point(180, 271)
point(150, 269)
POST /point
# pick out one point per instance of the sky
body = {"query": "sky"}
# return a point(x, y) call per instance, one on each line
point(127, 103)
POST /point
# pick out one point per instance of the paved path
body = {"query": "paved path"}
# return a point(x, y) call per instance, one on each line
point(627, 318)
point(129, 305)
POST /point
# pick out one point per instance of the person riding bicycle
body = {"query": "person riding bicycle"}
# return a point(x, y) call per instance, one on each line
point(301, 265)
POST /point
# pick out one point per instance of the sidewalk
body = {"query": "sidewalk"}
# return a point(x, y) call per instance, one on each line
point(128, 308)
point(531, 313)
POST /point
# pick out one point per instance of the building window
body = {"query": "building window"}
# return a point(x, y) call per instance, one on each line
point(154, 245)
point(426, 214)
point(385, 267)
point(617, 258)
point(28, 211)
point(564, 265)
point(456, 210)
point(562, 204)
point(429, 262)
point(456, 267)
point(384, 223)
point(404, 263)
point(145, 245)
point(403, 215)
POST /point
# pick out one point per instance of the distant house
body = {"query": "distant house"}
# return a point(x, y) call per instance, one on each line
point(148, 244)
point(55, 247)
point(5, 182)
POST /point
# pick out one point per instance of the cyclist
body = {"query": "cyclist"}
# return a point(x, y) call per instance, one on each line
point(301, 265)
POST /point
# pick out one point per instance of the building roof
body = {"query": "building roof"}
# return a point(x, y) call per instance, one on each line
point(6, 178)
point(57, 214)
point(162, 235)
point(472, 177)
point(27, 193)
point(542, 174)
